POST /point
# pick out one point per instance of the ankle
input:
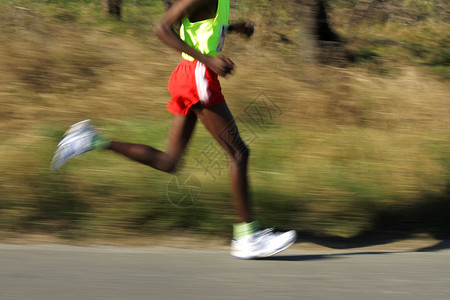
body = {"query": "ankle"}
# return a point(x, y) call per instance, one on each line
point(241, 230)
point(100, 142)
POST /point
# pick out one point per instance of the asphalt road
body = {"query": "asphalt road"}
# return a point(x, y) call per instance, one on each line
point(67, 272)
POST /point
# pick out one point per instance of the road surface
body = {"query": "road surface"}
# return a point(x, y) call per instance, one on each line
point(69, 272)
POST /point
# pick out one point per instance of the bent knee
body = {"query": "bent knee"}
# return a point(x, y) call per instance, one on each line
point(241, 156)
point(170, 169)
point(170, 166)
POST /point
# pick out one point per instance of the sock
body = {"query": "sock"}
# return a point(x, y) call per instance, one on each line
point(245, 229)
point(99, 142)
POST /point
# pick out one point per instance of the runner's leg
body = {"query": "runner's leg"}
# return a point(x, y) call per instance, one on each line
point(220, 123)
point(180, 133)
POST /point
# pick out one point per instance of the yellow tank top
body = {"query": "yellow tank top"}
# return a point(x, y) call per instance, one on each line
point(207, 36)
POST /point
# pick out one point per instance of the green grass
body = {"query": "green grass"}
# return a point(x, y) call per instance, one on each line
point(347, 151)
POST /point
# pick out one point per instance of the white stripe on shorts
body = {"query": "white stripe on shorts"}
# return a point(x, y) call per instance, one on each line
point(202, 83)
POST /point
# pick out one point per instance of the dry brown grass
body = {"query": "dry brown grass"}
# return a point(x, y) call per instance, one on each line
point(349, 143)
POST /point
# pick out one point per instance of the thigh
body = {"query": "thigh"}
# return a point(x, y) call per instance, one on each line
point(219, 121)
point(180, 133)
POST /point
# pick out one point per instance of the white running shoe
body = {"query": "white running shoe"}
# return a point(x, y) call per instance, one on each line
point(262, 244)
point(77, 140)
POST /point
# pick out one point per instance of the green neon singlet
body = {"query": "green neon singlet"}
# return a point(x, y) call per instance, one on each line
point(207, 36)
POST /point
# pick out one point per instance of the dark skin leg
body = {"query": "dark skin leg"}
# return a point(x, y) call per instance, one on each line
point(220, 123)
point(180, 133)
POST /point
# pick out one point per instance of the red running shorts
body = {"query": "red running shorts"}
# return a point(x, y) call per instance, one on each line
point(190, 83)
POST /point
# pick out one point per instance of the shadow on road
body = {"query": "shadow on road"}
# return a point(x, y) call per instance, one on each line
point(442, 245)
point(373, 239)
point(367, 241)
point(308, 257)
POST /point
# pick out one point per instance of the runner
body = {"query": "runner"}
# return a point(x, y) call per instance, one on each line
point(196, 94)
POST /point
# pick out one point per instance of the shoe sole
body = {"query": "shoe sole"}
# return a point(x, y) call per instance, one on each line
point(58, 160)
point(284, 247)
point(278, 250)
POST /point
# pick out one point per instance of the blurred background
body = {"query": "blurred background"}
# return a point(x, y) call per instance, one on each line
point(344, 104)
